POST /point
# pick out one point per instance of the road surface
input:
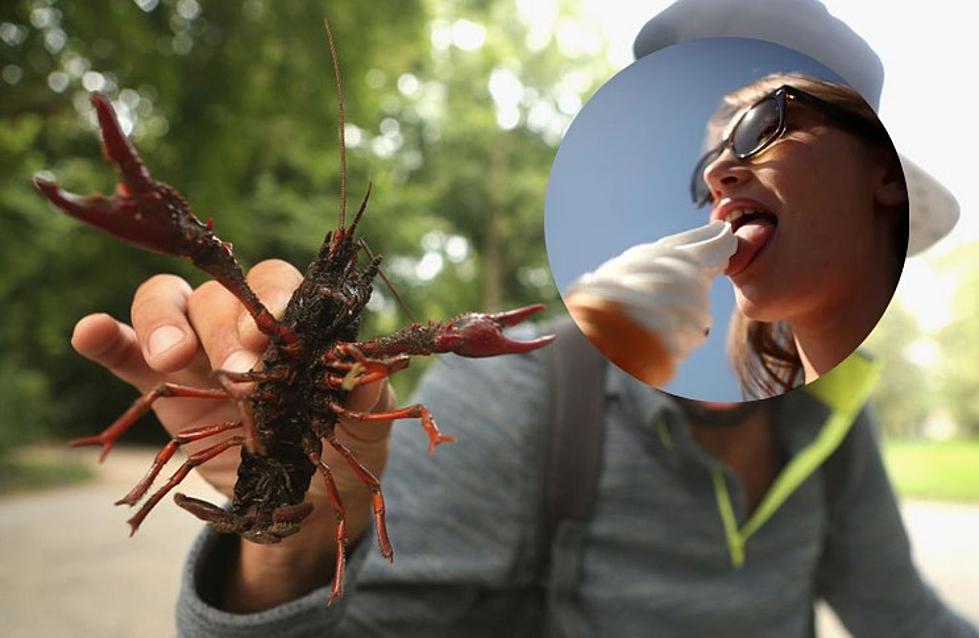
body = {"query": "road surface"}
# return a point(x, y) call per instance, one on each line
point(69, 570)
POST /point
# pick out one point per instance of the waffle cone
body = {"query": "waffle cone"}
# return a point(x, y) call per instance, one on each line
point(629, 345)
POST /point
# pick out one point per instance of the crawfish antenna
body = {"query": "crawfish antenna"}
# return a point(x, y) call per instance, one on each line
point(394, 291)
point(343, 148)
point(360, 211)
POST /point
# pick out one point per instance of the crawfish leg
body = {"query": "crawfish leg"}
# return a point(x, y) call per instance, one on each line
point(192, 461)
point(141, 406)
point(246, 377)
point(364, 369)
point(337, 503)
point(377, 498)
point(165, 454)
point(218, 519)
point(227, 379)
point(416, 411)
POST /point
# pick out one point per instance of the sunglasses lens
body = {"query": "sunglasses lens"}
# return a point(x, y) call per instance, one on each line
point(757, 127)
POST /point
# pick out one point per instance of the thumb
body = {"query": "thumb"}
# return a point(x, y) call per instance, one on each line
point(114, 346)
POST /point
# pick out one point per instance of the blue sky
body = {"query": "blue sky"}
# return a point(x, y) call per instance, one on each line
point(622, 172)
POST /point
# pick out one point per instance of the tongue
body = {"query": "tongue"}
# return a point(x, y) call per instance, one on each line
point(752, 237)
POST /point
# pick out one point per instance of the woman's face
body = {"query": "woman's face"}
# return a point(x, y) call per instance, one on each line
point(820, 230)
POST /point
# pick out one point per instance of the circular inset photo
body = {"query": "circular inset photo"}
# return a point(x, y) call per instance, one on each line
point(726, 219)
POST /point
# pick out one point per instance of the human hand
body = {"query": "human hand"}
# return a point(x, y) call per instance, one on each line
point(179, 335)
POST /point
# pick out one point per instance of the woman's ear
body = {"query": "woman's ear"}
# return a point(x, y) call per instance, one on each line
point(890, 188)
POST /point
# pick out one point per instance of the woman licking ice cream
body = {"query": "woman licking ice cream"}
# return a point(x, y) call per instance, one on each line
point(802, 172)
point(808, 178)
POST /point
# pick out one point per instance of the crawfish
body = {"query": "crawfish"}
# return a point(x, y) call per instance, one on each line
point(312, 362)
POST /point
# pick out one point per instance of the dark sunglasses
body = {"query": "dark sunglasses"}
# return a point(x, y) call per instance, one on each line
point(764, 123)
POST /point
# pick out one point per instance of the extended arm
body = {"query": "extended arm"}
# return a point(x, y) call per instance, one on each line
point(866, 573)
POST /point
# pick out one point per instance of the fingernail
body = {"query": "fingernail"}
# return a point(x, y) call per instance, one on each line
point(277, 305)
point(240, 361)
point(164, 338)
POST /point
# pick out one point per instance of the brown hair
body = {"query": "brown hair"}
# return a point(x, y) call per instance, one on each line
point(764, 355)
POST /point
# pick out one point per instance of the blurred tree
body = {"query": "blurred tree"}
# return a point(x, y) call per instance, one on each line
point(930, 370)
point(904, 395)
point(958, 376)
point(233, 102)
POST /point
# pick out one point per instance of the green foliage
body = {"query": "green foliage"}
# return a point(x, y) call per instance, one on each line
point(959, 376)
point(931, 374)
point(902, 397)
point(234, 104)
point(24, 472)
point(946, 470)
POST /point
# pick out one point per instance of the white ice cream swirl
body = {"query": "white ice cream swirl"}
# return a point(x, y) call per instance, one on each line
point(665, 285)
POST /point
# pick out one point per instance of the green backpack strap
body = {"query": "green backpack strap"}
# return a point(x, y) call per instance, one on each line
point(575, 440)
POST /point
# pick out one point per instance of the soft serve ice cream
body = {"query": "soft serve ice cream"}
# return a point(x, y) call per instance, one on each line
point(649, 307)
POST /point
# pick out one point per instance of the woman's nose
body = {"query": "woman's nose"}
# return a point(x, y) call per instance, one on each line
point(725, 174)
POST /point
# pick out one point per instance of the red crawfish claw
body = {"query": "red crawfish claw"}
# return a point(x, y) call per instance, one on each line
point(154, 216)
point(142, 211)
point(481, 335)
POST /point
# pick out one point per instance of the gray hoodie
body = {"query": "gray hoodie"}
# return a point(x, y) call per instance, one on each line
point(671, 550)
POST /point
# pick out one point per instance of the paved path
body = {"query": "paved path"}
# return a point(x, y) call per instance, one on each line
point(67, 568)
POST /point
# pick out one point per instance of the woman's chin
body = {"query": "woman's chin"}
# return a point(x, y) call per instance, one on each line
point(757, 307)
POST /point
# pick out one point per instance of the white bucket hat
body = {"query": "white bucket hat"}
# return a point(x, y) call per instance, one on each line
point(807, 27)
